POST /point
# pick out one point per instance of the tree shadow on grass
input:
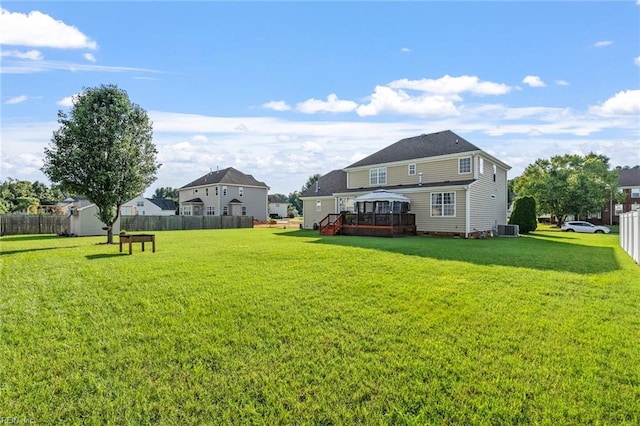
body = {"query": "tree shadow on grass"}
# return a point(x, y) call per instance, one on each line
point(105, 255)
point(554, 254)
point(9, 252)
point(29, 237)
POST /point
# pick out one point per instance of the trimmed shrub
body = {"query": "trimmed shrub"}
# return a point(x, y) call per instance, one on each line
point(524, 214)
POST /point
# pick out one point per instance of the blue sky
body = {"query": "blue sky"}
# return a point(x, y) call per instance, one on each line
point(284, 90)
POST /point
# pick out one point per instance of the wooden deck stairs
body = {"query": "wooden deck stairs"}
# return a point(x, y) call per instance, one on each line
point(331, 224)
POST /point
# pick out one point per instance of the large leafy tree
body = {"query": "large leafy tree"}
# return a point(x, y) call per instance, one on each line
point(168, 193)
point(103, 150)
point(24, 196)
point(569, 184)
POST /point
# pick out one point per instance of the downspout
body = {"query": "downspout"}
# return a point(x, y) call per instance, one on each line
point(467, 213)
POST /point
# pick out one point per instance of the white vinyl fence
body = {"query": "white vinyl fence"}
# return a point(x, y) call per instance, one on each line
point(630, 234)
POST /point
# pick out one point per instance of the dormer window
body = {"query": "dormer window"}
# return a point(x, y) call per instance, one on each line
point(378, 176)
point(464, 165)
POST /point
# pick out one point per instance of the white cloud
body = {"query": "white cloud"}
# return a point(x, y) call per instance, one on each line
point(332, 104)
point(386, 100)
point(562, 82)
point(452, 85)
point(277, 106)
point(89, 57)
point(34, 55)
point(533, 81)
point(622, 103)
point(603, 43)
point(40, 30)
point(636, 60)
point(405, 49)
point(17, 100)
point(68, 101)
point(28, 67)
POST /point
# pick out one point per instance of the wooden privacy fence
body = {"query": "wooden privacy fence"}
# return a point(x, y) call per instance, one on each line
point(12, 224)
point(630, 234)
point(174, 223)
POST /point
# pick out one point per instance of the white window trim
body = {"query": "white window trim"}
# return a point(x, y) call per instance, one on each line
point(412, 169)
point(318, 205)
point(431, 205)
point(460, 163)
point(224, 191)
point(377, 171)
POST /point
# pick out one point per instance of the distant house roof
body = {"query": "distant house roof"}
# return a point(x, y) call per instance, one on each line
point(194, 200)
point(423, 146)
point(277, 198)
point(163, 203)
point(229, 176)
point(629, 177)
point(332, 182)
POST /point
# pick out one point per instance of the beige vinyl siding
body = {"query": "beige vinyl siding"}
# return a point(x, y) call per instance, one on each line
point(311, 216)
point(486, 211)
point(358, 179)
point(421, 207)
point(398, 174)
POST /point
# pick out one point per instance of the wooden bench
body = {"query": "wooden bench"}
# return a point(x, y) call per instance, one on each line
point(138, 238)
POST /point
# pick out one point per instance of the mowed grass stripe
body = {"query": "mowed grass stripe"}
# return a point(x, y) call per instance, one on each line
point(283, 326)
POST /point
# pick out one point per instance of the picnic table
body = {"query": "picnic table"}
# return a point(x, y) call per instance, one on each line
point(138, 238)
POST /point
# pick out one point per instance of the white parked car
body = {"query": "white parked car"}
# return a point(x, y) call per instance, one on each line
point(579, 226)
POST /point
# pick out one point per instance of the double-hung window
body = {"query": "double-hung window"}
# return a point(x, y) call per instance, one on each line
point(378, 176)
point(412, 169)
point(318, 205)
point(443, 204)
point(464, 165)
point(211, 211)
point(635, 192)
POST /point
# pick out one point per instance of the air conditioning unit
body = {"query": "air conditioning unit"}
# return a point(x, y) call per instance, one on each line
point(508, 230)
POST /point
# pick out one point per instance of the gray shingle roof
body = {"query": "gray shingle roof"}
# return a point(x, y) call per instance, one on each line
point(163, 203)
point(229, 176)
point(332, 182)
point(629, 177)
point(423, 146)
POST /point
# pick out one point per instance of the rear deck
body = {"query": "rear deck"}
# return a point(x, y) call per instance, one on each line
point(369, 224)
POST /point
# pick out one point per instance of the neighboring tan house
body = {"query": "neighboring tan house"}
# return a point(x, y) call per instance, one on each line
point(453, 186)
point(629, 183)
point(148, 207)
point(226, 192)
point(278, 206)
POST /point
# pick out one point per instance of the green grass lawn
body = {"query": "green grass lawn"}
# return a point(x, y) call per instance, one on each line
point(281, 326)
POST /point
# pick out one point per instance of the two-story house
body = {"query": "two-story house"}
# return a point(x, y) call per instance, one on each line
point(278, 206)
point(452, 186)
point(226, 192)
